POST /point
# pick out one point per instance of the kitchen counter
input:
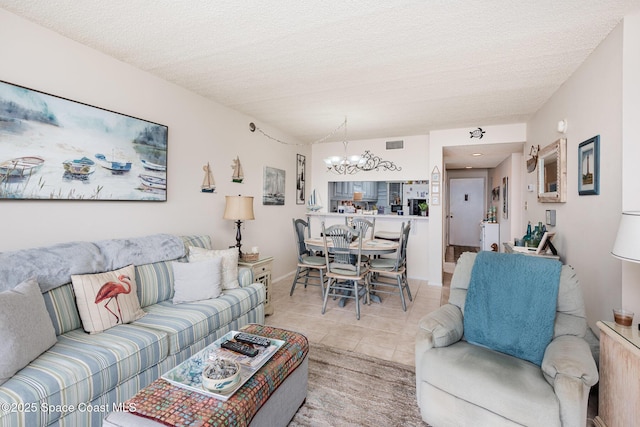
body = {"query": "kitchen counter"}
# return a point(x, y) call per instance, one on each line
point(366, 216)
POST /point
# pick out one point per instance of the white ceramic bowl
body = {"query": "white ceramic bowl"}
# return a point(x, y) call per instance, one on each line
point(220, 375)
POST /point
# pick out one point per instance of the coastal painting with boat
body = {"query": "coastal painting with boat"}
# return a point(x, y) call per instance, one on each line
point(54, 148)
point(273, 186)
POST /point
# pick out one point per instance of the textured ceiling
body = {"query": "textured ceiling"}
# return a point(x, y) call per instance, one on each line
point(393, 68)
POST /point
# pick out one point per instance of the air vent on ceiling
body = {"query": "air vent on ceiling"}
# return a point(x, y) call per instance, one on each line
point(395, 145)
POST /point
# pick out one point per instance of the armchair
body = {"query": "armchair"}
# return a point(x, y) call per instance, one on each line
point(459, 383)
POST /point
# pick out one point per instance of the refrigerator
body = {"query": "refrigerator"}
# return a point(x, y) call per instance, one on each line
point(414, 191)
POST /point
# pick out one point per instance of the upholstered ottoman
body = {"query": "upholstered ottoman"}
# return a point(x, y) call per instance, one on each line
point(270, 398)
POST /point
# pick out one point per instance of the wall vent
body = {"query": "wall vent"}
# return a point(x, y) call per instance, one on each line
point(395, 145)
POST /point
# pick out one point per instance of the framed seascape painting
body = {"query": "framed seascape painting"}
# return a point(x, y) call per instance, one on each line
point(52, 148)
point(300, 180)
point(273, 186)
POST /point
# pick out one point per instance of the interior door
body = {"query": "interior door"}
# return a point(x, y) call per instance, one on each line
point(466, 210)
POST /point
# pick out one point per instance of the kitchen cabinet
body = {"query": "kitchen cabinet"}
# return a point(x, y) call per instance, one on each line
point(345, 190)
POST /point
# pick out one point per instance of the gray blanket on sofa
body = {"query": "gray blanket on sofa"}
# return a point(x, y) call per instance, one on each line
point(53, 265)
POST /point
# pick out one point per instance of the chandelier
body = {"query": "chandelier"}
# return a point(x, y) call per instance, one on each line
point(344, 164)
point(352, 164)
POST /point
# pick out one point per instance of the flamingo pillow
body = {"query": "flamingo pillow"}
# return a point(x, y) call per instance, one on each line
point(107, 299)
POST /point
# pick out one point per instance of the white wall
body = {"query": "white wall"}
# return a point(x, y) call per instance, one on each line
point(452, 137)
point(513, 168)
point(631, 150)
point(591, 101)
point(200, 131)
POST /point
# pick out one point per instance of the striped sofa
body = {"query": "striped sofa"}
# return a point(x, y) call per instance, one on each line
point(84, 376)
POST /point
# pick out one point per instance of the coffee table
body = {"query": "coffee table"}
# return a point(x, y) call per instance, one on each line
point(270, 397)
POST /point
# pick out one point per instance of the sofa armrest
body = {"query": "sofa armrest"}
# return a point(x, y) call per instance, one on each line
point(569, 367)
point(442, 327)
point(570, 356)
point(245, 276)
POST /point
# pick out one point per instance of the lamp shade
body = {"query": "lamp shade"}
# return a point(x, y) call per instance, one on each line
point(627, 245)
point(238, 208)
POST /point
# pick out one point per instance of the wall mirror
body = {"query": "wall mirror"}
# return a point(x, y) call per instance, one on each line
point(552, 172)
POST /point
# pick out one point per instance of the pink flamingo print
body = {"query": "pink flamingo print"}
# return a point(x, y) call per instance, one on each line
point(111, 290)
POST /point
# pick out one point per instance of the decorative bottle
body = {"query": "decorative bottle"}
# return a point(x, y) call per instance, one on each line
point(527, 237)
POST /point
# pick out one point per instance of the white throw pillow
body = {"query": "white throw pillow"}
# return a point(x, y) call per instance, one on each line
point(26, 330)
point(229, 263)
point(197, 281)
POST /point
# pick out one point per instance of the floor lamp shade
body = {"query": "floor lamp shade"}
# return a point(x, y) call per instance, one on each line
point(238, 208)
point(627, 245)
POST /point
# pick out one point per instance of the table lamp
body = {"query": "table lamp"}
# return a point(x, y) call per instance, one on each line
point(238, 208)
point(627, 245)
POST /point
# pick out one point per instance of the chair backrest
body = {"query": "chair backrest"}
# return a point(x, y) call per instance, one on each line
point(299, 228)
point(341, 237)
point(364, 225)
point(570, 311)
point(404, 239)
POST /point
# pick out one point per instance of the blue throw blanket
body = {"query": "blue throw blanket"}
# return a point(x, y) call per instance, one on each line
point(511, 304)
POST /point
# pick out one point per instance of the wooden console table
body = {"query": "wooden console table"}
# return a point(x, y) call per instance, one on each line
point(262, 274)
point(619, 389)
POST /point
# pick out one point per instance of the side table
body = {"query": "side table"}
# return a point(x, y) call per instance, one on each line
point(262, 274)
point(619, 389)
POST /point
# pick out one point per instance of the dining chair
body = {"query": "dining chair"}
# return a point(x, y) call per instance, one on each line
point(364, 225)
point(345, 271)
point(389, 275)
point(309, 266)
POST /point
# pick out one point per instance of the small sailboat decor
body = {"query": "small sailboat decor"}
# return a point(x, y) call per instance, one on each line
point(314, 203)
point(238, 175)
point(208, 184)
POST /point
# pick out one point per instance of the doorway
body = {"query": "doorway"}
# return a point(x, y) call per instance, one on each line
point(466, 211)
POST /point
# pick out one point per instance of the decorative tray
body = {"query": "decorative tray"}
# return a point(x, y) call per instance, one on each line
point(188, 374)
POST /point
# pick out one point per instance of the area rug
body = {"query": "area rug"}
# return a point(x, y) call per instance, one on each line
point(351, 389)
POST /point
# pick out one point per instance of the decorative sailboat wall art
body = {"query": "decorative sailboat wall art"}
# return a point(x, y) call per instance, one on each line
point(208, 184)
point(238, 174)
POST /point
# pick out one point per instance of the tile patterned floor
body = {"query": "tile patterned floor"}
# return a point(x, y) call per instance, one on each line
point(384, 329)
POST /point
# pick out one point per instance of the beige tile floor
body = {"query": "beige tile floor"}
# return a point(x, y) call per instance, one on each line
point(384, 329)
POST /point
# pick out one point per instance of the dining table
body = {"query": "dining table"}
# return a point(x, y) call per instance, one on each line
point(370, 247)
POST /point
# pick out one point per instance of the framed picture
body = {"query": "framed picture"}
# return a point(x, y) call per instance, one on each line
point(589, 166)
point(505, 197)
point(300, 178)
point(495, 194)
point(435, 174)
point(273, 186)
point(52, 148)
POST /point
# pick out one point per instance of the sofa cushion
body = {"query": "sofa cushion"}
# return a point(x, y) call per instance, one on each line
point(511, 303)
point(25, 327)
point(61, 304)
point(186, 324)
point(107, 299)
point(229, 263)
point(197, 281)
point(80, 367)
point(505, 385)
point(154, 282)
point(196, 240)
